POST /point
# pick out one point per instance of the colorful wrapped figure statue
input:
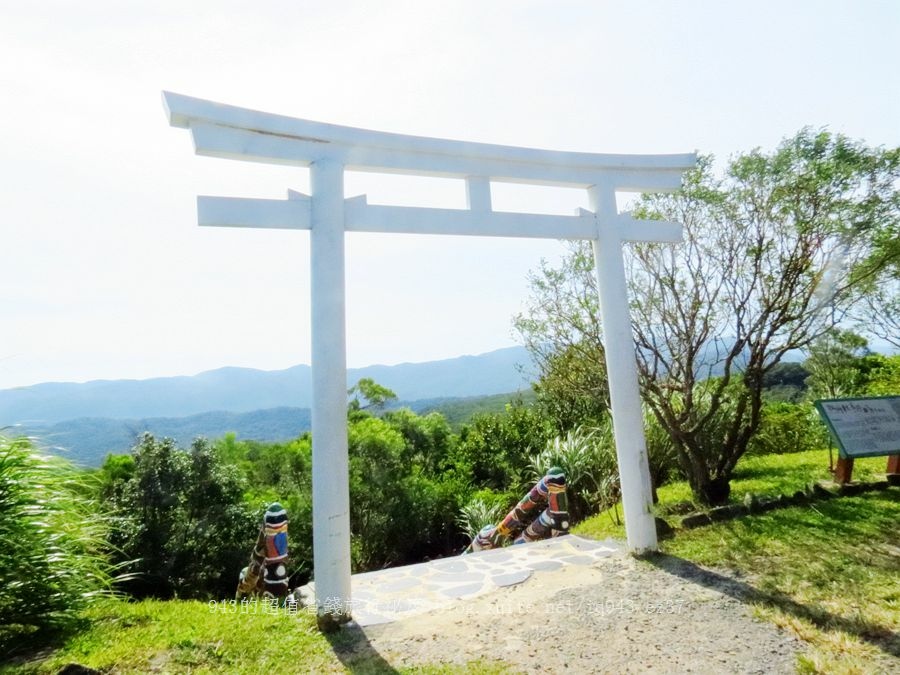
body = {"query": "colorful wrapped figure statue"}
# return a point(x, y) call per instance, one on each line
point(529, 520)
point(266, 575)
point(275, 527)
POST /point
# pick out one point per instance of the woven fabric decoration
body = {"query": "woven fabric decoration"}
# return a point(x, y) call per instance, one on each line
point(529, 520)
point(250, 581)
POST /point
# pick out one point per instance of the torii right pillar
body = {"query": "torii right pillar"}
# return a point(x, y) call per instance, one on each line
point(621, 368)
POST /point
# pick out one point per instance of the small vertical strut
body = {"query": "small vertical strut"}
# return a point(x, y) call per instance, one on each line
point(478, 193)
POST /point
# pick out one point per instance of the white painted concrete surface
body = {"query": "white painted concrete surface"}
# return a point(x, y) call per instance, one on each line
point(238, 133)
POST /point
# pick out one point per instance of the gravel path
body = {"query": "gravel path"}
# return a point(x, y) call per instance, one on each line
point(619, 615)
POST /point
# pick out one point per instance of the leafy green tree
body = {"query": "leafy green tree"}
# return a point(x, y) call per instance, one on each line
point(181, 518)
point(280, 466)
point(883, 379)
point(368, 394)
point(836, 364)
point(398, 513)
point(115, 473)
point(404, 488)
point(428, 440)
point(561, 329)
point(877, 311)
point(572, 389)
point(495, 449)
point(773, 254)
point(789, 427)
point(278, 472)
point(376, 472)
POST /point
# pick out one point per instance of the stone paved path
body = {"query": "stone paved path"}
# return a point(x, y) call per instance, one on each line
point(400, 592)
point(585, 605)
point(617, 615)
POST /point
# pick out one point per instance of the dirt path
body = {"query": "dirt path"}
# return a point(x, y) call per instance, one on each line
point(619, 615)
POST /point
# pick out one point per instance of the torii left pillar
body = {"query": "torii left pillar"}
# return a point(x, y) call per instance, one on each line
point(330, 468)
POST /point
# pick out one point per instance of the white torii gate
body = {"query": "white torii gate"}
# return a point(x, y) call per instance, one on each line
point(238, 133)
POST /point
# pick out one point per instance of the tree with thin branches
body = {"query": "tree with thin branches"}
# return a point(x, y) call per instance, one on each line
point(774, 254)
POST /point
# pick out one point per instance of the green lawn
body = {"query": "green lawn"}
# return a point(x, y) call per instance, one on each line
point(181, 636)
point(766, 475)
point(828, 572)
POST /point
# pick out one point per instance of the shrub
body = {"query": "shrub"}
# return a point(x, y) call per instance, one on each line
point(588, 458)
point(589, 463)
point(398, 512)
point(884, 377)
point(788, 427)
point(180, 516)
point(662, 454)
point(485, 507)
point(52, 546)
point(494, 449)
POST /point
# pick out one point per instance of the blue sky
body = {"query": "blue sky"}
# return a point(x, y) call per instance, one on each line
point(105, 273)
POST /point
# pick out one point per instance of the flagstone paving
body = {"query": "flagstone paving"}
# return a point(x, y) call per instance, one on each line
point(399, 592)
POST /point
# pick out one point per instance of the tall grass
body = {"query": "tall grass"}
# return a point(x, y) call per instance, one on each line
point(479, 512)
point(52, 541)
point(588, 459)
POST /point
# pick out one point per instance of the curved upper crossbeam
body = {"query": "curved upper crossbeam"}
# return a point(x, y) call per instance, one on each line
point(239, 133)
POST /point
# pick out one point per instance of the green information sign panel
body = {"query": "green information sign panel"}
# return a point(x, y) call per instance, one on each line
point(863, 427)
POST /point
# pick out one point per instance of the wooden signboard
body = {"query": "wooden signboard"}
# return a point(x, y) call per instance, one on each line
point(863, 427)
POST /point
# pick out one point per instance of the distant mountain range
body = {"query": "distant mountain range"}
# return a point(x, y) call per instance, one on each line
point(87, 440)
point(86, 421)
point(245, 389)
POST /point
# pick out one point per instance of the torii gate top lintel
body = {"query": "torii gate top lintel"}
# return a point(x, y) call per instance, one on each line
point(240, 133)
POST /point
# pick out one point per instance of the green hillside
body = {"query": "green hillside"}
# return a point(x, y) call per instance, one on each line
point(459, 411)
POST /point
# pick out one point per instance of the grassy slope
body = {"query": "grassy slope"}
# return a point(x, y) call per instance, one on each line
point(829, 573)
point(180, 636)
point(177, 636)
